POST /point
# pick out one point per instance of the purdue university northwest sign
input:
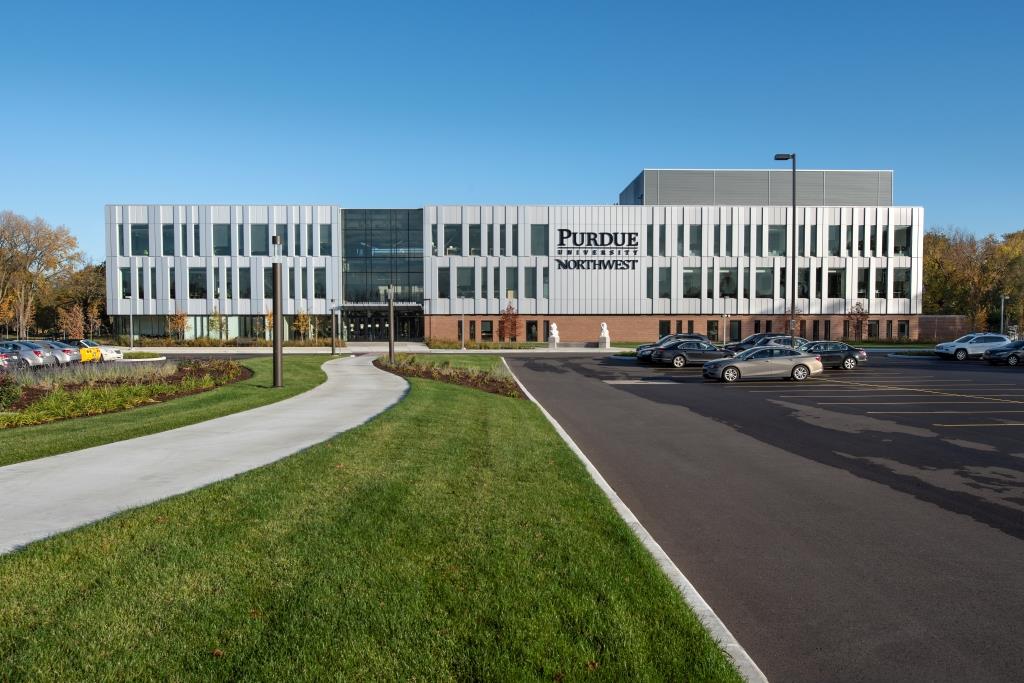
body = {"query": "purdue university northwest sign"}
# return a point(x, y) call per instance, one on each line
point(597, 250)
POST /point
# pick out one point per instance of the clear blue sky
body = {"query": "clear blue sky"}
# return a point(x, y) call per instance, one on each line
point(381, 104)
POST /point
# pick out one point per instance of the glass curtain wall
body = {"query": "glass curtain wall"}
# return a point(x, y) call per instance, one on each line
point(382, 247)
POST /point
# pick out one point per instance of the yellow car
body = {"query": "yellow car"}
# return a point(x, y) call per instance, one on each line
point(89, 350)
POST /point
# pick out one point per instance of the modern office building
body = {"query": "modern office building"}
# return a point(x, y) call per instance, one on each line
point(683, 250)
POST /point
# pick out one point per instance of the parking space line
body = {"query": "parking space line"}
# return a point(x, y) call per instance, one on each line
point(980, 424)
point(940, 412)
point(901, 403)
point(935, 392)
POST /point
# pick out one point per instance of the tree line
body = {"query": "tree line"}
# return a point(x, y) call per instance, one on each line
point(46, 284)
point(966, 275)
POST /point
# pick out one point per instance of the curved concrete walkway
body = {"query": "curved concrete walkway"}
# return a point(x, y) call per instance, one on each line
point(43, 497)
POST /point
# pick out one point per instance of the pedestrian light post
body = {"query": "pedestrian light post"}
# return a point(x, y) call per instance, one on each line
point(278, 318)
point(792, 249)
point(334, 329)
point(1003, 298)
point(391, 324)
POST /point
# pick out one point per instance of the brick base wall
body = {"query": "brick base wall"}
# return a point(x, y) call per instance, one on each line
point(586, 328)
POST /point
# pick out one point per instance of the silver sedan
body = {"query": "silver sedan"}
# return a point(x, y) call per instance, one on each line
point(774, 362)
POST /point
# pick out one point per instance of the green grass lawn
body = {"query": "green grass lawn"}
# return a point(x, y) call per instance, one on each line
point(454, 537)
point(472, 361)
point(27, 443)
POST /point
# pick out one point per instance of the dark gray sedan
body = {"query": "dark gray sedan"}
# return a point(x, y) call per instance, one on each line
point(685, 352)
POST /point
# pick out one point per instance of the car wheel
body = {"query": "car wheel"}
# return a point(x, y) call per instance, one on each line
point(679, 361)
point(24, 364)
point(1012, 360)
point(849, 363)
point(961, 354)
point(800, 373)
point(730, 374)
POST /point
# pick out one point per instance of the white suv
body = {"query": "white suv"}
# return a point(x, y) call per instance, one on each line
point(970, 345)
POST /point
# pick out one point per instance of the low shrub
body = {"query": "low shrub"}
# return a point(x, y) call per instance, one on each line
point(471, 344)
point(219, 370)
point(10, 391)
point(141, 355)
point(495, 381)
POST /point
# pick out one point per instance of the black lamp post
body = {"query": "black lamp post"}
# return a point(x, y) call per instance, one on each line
point(792, 294)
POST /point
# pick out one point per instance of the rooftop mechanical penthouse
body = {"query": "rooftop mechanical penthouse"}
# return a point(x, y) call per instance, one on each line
point(684, 250)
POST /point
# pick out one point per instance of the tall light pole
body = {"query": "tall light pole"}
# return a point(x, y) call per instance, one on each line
point(278, 317)
point(792, 293)
point(1002, 307)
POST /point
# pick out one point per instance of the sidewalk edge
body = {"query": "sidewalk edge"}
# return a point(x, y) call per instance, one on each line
point(718, 630)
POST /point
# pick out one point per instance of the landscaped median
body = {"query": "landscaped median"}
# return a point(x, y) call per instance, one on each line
point(119, 387)
point(455, 536)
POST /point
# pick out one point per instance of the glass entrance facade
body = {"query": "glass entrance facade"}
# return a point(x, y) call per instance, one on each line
point(371, 324)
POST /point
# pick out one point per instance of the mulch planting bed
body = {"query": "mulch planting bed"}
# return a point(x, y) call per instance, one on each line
point(503, 386)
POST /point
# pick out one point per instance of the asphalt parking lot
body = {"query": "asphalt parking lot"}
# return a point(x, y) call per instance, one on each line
point(864, 525)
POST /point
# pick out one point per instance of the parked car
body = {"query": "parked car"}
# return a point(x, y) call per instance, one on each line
point(782, 340)
point(685, 352)
point(64, 353)
point(89, 350)
point(27, 354)
point(836, 354)
point(752, 340)
point(5, 360)
point(645, 351)
point(773, 362)
point(972, 345)
point(1009, 354)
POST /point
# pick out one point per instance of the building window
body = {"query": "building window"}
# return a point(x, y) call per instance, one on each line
point(735, 330)
point(184, 240)
point(281, 230)
point(530, 285)
point(434, 239)
point(545, 282)
point(120, 239)
point(197, 241)
point(888, 329)
point(452, 239)
point(691, 283)
point(757, 327)
point(664, 328)
point(259, 240)
point(679, 327)
point(885, 249)
point(142, 283)
point(849, 240)
point(140, 239)
point(728, 281)
point(503, 234)
point(901, 283)
point(472, 330)
point(319, 283)
point(168, 235)
point(515, 239)
point(713, 330)
point(776, 240)
point(680, 240)
point(221, 239)
point(444, 283)
point(881, 284)
point(229, 282)
point(531, 330)
point(486, 330)
point(483, 282)
point(801, 249)
point(748, 239)
point(710, 283)
point(860, 241)
point(465, 287)
point(172, 289)
point(689, 327)
point(126, 283)
point(695, 241)
point(768, 327)
point(309, 240)
point(512, 282)
point(803, 283)
point(828, 329)
point(728, 240)
point(782, 282)
point(760, 241)
point(496, 289)
point(873, 238)
point(216, 282)
point(834, 237)
point(763, 282)
point(491, 240)
point(814, 240)
point(197, 283)
point(650, 240)
point(664, 283)
point(474, 240)
point(837, 283)
point(901, 241)
point(326, 240)
point(650, 282)
point(539, 239)
point(662, 240)
point(152, 283)
point(718, 240)
point(863, 275)
point(244, 283)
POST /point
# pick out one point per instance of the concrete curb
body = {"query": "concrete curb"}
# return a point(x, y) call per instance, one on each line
point(744, 663)
point(158, 359)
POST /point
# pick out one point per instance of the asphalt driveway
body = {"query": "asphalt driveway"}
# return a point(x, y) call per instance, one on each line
point(858, 526)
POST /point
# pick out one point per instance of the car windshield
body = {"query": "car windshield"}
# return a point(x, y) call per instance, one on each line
point(744, 355)
point(964, 339)
point(89, 344)
point(30, 345)
point(750, 339)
